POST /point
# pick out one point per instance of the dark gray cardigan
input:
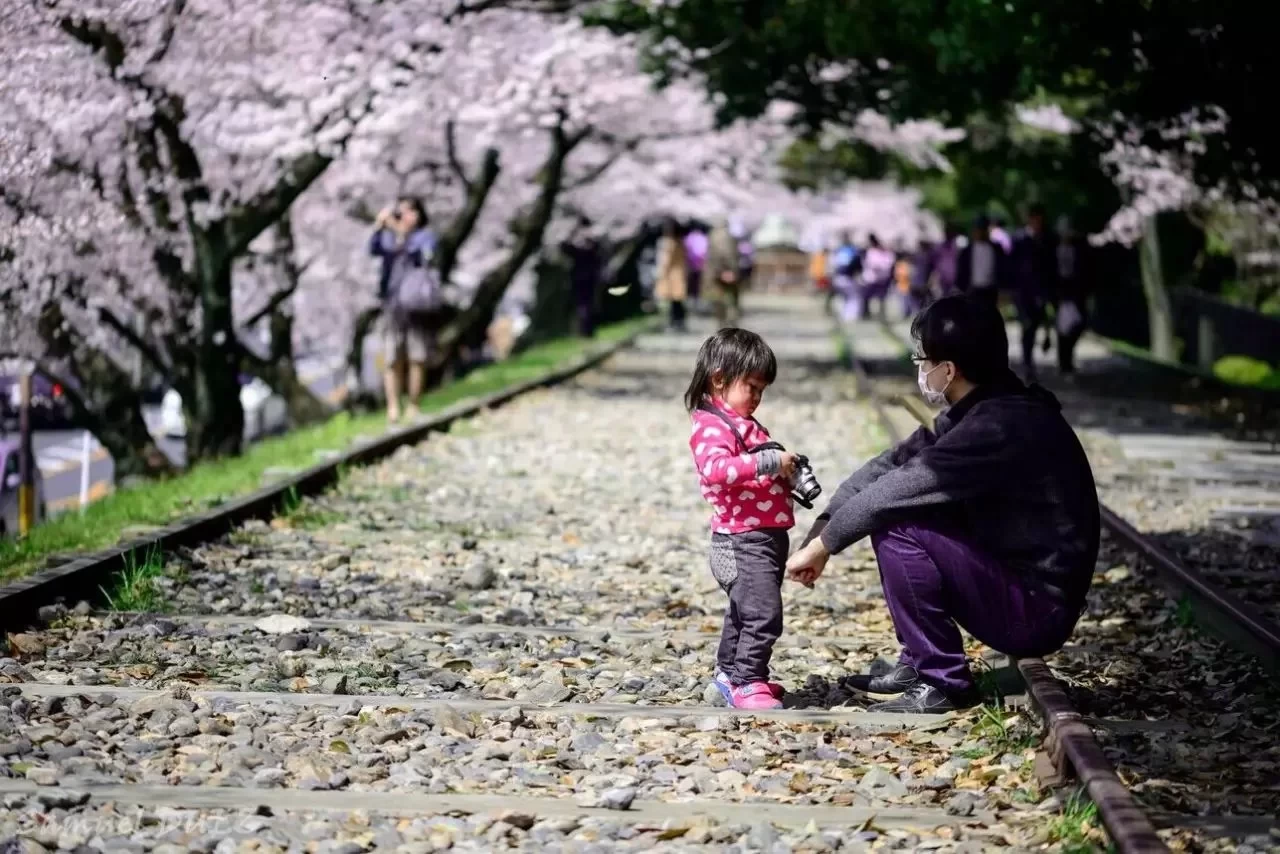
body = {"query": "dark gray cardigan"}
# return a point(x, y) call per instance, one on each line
point(1005, 466)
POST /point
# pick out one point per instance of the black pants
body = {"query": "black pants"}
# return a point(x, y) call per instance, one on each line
point(677, 314)
point(1031, 319)
point(1067, 345)
point(749, 567)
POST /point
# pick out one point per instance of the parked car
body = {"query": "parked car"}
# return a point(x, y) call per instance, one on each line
point(265, 412)
point(50, 408)
point(9, 482)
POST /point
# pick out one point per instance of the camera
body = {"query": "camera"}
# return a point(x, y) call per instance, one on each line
point(804, 485)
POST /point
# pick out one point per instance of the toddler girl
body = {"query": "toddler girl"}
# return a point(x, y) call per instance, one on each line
point(750, 491)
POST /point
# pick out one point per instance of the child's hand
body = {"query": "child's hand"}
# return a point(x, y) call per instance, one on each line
point(806, 565)
point(787, 464)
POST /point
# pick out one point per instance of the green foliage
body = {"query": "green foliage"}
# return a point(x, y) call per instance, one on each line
point(1246, 371)
point(952, 59)
point(998, 168)
point(1076, 826)
point(807, 164)
point(134, 587)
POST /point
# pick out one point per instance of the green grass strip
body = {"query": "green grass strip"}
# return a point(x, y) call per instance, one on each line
point(206, 485)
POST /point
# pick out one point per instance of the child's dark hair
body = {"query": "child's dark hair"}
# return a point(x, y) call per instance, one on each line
point(732, 353)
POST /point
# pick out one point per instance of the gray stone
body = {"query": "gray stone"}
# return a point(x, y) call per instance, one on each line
point(333, 846)
point(269, 777)
point(51, 613)
point(42, 775)
point(282, 624)
point(62, 798)
point(962, 804)
point(332, 561)
point(154, 703)
point(183, 727)
point(763, 837)
point(334, 683)
point(878, 782)
point(618, 798)
point(478, 576)
point(294, 641)
point(586, 742)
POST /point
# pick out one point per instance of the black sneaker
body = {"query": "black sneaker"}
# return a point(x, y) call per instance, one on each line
point(876, 673)
point(924, 699)
point(896, 681)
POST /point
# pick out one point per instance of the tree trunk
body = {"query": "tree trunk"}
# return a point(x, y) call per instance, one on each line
point(215, 417)
point(1154, 288)
point(355, 353)
point(113, 414)
point(281, 373)
point(105, 401)
point(279, 370)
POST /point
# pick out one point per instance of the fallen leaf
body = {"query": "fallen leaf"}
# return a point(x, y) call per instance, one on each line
point(339, 746)
point(192, 676)
point(21, 644)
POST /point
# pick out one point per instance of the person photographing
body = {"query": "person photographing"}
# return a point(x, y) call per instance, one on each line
point(409, 289)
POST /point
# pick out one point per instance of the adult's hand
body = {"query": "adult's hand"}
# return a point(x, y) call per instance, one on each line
point(384, 217)
point(806, 565)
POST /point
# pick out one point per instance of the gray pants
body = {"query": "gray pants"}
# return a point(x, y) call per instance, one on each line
point(749, 567)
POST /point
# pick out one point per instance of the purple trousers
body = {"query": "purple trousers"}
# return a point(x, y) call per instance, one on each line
point(933, 579)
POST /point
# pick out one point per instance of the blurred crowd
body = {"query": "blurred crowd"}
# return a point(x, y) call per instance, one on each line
point(1040, 278)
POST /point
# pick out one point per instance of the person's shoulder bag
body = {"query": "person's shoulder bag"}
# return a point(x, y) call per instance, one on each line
point(417, 286)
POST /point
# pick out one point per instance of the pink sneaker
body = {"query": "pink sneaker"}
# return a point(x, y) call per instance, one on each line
point(726, 688)
point(755, 695)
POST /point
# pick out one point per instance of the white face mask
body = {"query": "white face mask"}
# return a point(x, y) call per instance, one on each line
point(933, 397)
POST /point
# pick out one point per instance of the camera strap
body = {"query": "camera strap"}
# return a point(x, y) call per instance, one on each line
point(799, 499)
point(734, 429)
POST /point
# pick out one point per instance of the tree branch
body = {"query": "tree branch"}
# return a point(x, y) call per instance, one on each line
point(277, 299)
point(98, 37)
point(465, 221)
point(148, 352)
point(594, 174)
point(171, 15)
point(247, 221)
point(529, 229)
point(451, 147)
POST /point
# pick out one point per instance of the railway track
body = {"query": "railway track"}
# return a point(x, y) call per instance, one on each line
point(1149, 644)
point(498, 639)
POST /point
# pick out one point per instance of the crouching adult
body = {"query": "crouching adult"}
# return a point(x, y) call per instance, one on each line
point(988, 522)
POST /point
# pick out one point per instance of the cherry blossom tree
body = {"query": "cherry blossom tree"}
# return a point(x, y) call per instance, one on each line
point(552, 124)
point(193, 190)
point(196, 123)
